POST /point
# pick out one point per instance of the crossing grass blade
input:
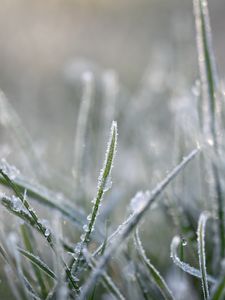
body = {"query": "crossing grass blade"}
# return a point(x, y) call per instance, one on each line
point(133, 223)
point(154, 273)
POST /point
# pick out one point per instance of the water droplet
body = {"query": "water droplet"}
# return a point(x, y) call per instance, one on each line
point(184, 242)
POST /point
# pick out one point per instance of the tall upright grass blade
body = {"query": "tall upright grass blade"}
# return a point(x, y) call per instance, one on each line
point(81, 128)
point(155, 275)
point(104, 182)
point(207, 65)
point(133, 223)
point(201, 252)
point(176, 241)
point(209, 83)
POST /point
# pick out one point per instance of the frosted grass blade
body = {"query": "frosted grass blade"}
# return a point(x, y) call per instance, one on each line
point(155, 275)
point(209, 83)
point(30, 245)
point(201, 252)
point(103, 185)
point(38, 262)
point(133, 223)
point(176, 241)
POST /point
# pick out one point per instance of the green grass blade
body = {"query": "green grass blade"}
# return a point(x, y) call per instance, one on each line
point(133, 223)
point(37, 262)
point(209, 83)
point(103, 182)
point(39, 225)
point(47, 198)
point(30, 245)
point(201, 252)
point(207, 66)
point(154, 273)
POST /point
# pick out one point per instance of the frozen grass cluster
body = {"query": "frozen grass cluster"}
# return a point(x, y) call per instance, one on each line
point(57, 248)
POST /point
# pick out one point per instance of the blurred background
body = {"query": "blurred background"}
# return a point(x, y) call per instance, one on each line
point(143, 58)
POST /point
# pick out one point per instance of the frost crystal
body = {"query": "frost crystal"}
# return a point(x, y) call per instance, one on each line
point(139, 201)
point(11, 171)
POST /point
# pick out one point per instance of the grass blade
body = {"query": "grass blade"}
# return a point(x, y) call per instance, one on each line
point(201, 252)
point(103, 185)
point(155, 275)
point(209, 83)
point(88, 83)
point(37, 262)
point(30, 245)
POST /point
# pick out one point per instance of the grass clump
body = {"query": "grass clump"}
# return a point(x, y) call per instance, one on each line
point(68, 255)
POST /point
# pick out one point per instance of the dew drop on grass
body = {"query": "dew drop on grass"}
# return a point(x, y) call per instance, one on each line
point(45, 223)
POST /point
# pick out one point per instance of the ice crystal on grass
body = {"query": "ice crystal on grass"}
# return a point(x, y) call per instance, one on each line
point(11, 171)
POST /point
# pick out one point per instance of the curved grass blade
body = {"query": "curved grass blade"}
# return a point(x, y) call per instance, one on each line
point(176, 241)
point(103, 186)
point(155, 275)
point(201, 252)
point(133, 223)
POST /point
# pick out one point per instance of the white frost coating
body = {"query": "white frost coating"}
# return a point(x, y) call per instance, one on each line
point(11, 171)
point(139, 201)
point(201, 252)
